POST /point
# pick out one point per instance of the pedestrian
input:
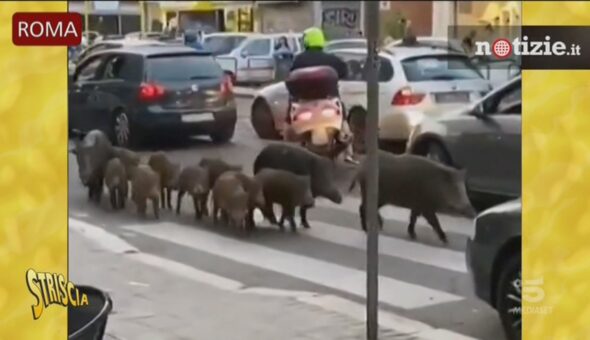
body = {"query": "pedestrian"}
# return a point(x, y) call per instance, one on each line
point(191, 40)
point(468, 42)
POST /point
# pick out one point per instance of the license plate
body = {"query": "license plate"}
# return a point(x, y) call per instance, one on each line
point(198, 117)
point(452, 97)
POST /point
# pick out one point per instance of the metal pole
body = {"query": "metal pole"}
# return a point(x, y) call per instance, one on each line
point(372, 173)
point(86, 10)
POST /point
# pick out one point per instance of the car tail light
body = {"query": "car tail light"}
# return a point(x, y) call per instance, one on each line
point(151, 92)
point(406, 96)
point(226, 87)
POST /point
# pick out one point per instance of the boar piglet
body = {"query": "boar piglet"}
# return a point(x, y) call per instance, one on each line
point(300, 161)
point(92, 153)
point(230, 199)
point(286, 189)
point(168, 172)
point(419, 184)
point(130, 159)
point(194, 180)
point(216, 167)
point(115, 178)
point(145, 186)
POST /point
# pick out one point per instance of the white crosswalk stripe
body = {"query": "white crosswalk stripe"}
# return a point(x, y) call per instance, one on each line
point(394, 292)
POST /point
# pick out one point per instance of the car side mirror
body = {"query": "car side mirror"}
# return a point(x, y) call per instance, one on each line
point(244, 53)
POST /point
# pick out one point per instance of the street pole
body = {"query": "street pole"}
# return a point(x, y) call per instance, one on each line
point(86, 11)
point(372, 170)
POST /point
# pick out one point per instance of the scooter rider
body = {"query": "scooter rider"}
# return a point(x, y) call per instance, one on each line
point(314, 55)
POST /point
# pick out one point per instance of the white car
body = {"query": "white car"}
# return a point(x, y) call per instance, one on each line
point(252, 61)
point(436, 42)
point(413, 83)
point(221, 43)
point(338, 44)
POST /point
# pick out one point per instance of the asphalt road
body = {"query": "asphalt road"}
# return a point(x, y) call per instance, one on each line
point(420, 280)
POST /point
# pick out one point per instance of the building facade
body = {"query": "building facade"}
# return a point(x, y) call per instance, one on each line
point(109, 17)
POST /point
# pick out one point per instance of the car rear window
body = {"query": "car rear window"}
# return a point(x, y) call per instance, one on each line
point(222, 45)
point(429, 68)
point(183, 67)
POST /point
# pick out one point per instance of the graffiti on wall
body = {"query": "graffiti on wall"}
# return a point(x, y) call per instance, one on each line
point(341, 22)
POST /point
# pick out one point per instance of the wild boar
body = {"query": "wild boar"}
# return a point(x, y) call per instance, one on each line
point(194, 180)
point(230, 199)
point(216, 167)
point(115, 178)
point(300, 161)
point(92, 154)
point(424, 186)
point(145, 186)
point(286, 189)
point(129, 158)
point(168, 172)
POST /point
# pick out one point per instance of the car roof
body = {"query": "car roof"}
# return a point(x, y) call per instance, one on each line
point(229, 34)
point(132, 42)
point(335, 41)
point(147, 51)
point(401, 52)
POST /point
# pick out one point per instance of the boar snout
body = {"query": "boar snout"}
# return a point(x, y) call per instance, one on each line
point(333, 195)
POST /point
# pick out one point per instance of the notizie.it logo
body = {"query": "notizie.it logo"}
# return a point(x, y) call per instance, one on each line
point(503, 48)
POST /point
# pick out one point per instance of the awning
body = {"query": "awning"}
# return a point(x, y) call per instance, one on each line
point(188, 6)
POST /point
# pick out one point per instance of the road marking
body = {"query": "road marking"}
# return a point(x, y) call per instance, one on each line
point(100, 236)
point(388, 320)
point(390, 246)
point(393, 292)
point(351, 204)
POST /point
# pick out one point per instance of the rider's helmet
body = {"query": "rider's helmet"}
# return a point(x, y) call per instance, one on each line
point(314, 38)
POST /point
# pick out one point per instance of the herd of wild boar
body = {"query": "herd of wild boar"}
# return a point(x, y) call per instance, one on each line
point(283, 174)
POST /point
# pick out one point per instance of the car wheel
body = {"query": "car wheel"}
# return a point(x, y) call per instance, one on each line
point(121, 129)
point(437, 153)
point(356, 120)
point(508, 298)
point(263, 122)
point(223, 135)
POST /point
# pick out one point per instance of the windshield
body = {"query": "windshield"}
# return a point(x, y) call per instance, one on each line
point(445, 67)
point(222, 44)
point(183, 68)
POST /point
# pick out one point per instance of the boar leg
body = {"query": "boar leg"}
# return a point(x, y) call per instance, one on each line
point(215, 212)
point(169, 198)
point(412, 226)
point(141, 208)
point(203, 204)
point(303, 214)
point(179, 201)
point(250, 224)
point(269, 214)
point(113, 199)
point(225, 217)
point(433, 221)
point(156, 206)
point(289, 213)
point(163, 196)
point(197, 205)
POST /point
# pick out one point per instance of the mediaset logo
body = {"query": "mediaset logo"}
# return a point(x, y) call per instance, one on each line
point(503, 48)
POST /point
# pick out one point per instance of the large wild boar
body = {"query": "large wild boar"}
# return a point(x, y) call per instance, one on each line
point(216, 167)
point(145, 186)
point(231, 199)
point(129, 158)
point(419, 184)
point(168, 172)
point(300, 161)
point(92, 154)
point(194, 180)
point(116, 181)
point(286, 189)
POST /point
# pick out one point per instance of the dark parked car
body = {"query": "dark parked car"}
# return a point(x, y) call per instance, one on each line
point(484, 139)
point(494, 262)
point(134, 93)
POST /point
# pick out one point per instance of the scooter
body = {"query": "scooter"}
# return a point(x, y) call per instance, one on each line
point(315, 118)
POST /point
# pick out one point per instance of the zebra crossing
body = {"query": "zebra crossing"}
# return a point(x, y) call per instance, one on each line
point(414, 275)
